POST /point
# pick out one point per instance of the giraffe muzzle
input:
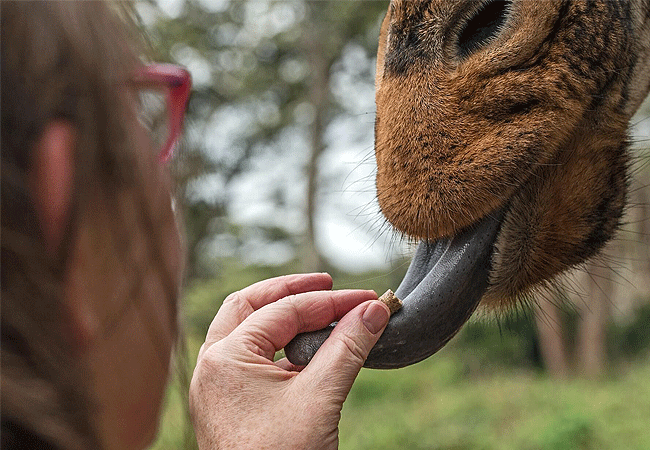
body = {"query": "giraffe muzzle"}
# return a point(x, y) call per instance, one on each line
point(441, 289)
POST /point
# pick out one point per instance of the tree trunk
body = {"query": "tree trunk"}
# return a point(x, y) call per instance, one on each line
point(552, 345)
point(318, 96)
point(642, 242)
point(594, 316)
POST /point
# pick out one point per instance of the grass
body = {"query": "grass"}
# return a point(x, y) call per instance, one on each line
point(435, 405)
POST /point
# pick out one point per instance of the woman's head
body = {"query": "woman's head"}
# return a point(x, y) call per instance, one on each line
point(91, 257)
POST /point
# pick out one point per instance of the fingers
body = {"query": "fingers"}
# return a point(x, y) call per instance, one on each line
point(273, 326)
point(339, 360)
point(239, 305)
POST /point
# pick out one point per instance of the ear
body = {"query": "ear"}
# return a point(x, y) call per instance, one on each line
point(52, 180)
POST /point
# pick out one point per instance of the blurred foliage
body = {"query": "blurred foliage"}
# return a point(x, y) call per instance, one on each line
point(203, 298)
point(629, 340)
point(488, 345)
point(264, 87)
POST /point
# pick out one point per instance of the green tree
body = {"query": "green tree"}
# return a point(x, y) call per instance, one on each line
point(264, 91)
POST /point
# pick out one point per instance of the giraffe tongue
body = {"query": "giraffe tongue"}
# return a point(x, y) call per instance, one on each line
point(440, 291)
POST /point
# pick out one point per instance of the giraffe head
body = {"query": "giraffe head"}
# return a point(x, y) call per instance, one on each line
point(500, 140)
point(505, 120)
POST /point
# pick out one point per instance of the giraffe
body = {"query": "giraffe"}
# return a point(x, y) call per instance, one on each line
point(501, 145)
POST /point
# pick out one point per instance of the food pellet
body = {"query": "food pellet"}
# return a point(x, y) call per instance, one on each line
point(393, 303)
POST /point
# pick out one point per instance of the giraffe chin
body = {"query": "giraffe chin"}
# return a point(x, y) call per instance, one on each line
point(441, 289)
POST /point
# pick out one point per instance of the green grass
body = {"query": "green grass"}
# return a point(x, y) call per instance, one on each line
point(435, 405)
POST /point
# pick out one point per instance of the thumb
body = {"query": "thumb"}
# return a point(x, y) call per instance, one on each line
point(338, 361)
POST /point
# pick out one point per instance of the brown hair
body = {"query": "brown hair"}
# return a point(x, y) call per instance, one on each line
point(60, 60)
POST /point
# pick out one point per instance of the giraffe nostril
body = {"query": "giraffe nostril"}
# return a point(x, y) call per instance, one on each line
point(485, 24)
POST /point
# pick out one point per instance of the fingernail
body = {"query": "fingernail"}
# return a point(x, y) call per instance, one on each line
point(375, 317)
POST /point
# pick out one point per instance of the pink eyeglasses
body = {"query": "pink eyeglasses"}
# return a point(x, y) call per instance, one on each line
point(164, 90)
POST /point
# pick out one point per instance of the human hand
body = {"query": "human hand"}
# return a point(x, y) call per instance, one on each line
point(240, 398)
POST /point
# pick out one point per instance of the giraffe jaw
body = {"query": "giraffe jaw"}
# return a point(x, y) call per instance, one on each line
point(441, 289)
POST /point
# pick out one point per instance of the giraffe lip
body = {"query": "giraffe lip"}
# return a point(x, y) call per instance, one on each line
point(440, 291)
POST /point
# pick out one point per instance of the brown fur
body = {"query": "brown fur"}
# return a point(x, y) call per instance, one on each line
point(535, 120)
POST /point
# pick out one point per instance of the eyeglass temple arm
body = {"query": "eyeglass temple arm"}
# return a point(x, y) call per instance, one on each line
point(178, 98)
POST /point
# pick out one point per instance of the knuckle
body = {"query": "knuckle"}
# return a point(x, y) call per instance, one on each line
point(292, 301)
point(238, 303)
point(274, 288)
point(353, 346)
point(233, 298)
point(286, 286)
